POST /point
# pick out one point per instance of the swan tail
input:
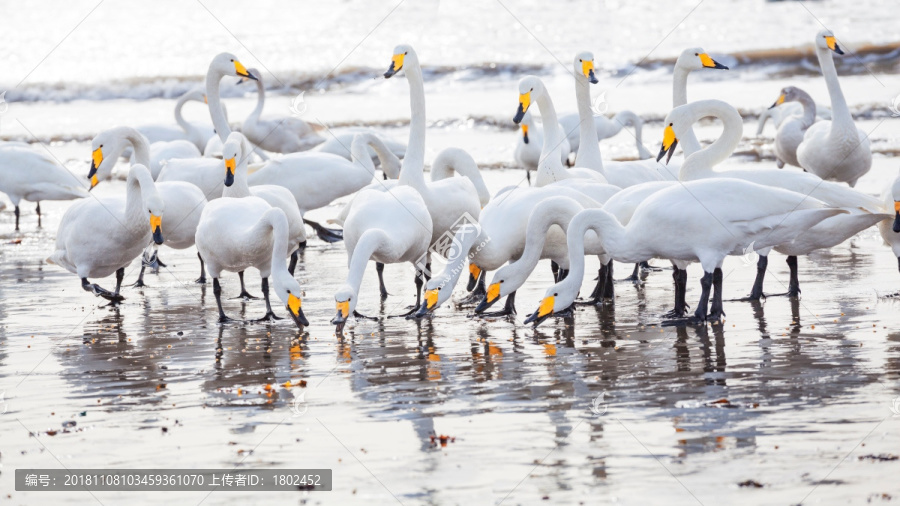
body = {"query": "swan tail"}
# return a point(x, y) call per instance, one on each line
point(324, 233)
point(779, 229)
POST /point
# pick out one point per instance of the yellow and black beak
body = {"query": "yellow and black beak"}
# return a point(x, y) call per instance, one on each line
point(229, 171)
point(294, 308)
point(710, 63)
point(430, 304)
point(474, 273)
point(525, 133)
point(587, 67)
point(492, 296)
point(96, 160)
point(668, 144)
point(242, 72)
point(833, 45)
point(396, 65)
point(544, 311)
point(524, 102)
point(343, 311)
point(778, 102)
point(156, 228)
point(897, 216)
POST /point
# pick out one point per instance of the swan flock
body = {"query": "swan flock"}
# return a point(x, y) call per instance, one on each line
point(240, 195)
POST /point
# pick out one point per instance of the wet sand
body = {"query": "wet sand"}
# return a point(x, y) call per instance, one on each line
point(793, 395)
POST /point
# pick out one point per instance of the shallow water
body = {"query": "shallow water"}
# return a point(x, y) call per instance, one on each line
point(809, 383)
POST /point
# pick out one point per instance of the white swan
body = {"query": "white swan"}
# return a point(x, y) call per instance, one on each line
point(100, 236)
point(237, 233)
point(183, 129)
point(606, 128)
point(530, 143)
point(449, 200)
point(206, 173)
point(163, 152)
point(550, 169)
point(702, 221)
point(282, 134)
point(862, 211)
point(792, 129)
point(184, 202)
point(339, 143)
point(834, 150)
point(391, 226)
point(502, 235)
point(550, 213)
point(34, 176)
point(890, 229)
point(235, 153)
point(779, 113)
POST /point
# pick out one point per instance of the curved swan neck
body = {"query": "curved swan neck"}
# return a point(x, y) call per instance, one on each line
point(588, 155)
point(553, 211)
point(388, 160)
point(189, 129)
point(452, 160)
point(260, 100)
point(359, 151)
point(689, 144)
point(138, 144)
point(411, 172)
point(613, 237)
point(840, 113)
point(139, 187)
point(276, 220)
point(809, 109)
point(220, 122)
point(550, 168)
point(701, 164)
point(366, 246)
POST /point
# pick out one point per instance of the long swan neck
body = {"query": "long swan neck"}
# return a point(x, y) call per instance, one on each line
point(139, 187)
point(276, 219)
point(220, 122)
point(388, 160)
point(188, 128)
point(809, 109)
point(550, 168)
point(689, 144)
point(701, 163)
point(553, 211)
point(588, 155)
point(840, 113)
point(452, 160)
point(414, 160)
point(138, 144)
point(260, 101)
point(366, 246)
point(613, 236)
point(359, 152)
point(575, 245)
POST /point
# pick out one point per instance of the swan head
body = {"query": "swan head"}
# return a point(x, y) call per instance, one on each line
point(231, 154)
point(788, 94)
point(695, 58)
point(195, 95)
point(404, 54)
point(288, 290)
point(506, 280)
point(678, 122)
point(105, 150)
point(527, 122)
point(153, 203)
point(530, 88)
point(257, 76)
point(551, 304)
point(584, 65)
point(227, 64)
point(345, 303)
point(825, 40)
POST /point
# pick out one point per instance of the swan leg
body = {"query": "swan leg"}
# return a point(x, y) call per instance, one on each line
point(17, 217)
point(217, 291)
point(38, 210)
point(794, 286)
point(609, 290)
point(598, 290)
point(419, 283)
point(293, 265)
point(756, 293)
point(202, 279)
point(270, 315)
point(528, 175)
point(554, 268)
point(679, 277)
point(561, 275)
point(379, 268)
point(717, 311)
point(324, 233)
point(646, 267)
point(700, 314)
point(635, 276)
point(477, 291)
point(244, 293)
point(100, 291)
point(140, 280)
point(509, 308)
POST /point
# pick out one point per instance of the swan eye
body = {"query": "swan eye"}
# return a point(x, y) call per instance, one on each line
point(555, 294)
point(405, 53)
point(582, 61)
point(502, 280)
point(671, 124)
point(695, 54)
point(232, 60)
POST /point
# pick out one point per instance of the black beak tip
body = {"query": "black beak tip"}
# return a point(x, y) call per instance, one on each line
point(662, 153)
point(671, 152)
point(300, 320)
point(525, 138)
point(482, 306)
point(520, 113)
point(157, 236)
point(838, 50)
point(229, 179)
point(897, 224)
point(720, 66)
point(471, 284)
point(773, 105)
